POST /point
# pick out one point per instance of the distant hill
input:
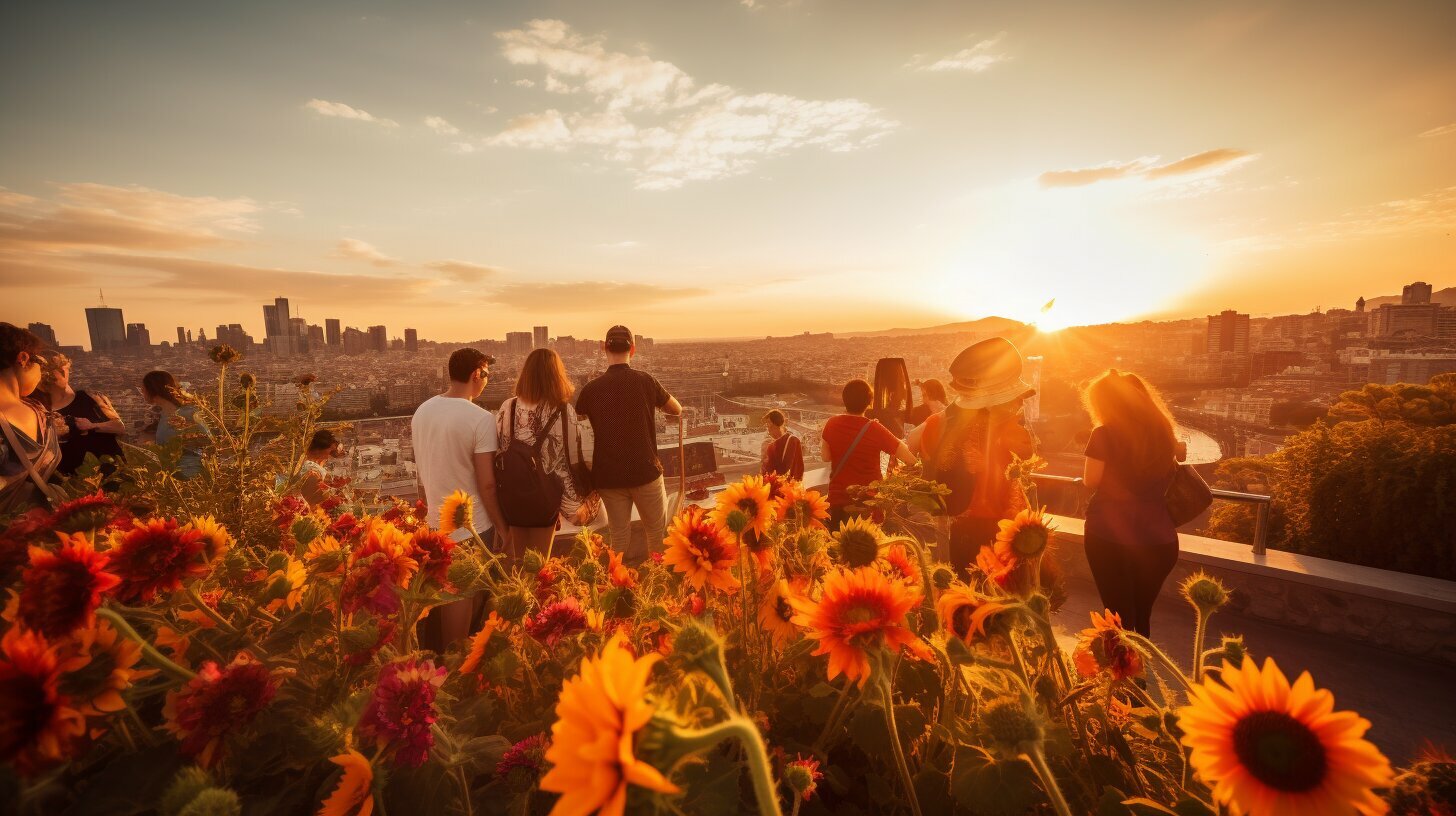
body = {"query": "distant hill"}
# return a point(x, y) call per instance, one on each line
point(1445, 297)
point(984, 325)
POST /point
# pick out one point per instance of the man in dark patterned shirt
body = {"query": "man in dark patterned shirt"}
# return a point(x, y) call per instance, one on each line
point(621, 405)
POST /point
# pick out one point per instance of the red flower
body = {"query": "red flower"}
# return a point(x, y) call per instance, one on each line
point(383, 563)
point(802, 776)
point(344, 527)
point(288, 508)
point(155, 557)
point(546, 579)
point(61, 589)
point(16, 539)
point(217, 703)
point(85, 514)
point(38, 726)
point(1105, 647)
point(433, 550)
point(557, 621)
point(527, 755)
point(402, 710)
point(620, 574)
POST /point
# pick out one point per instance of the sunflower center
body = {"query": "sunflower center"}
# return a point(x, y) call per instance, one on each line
point(1280, 751)
point(1029, 541)
point(784, 609)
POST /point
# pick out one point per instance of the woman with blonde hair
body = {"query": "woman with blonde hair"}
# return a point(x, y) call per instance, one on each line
point(1132, 454)
point(93, 423)
point(538, 470)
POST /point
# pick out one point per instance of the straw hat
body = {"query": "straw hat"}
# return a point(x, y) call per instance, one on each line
point(989, 373)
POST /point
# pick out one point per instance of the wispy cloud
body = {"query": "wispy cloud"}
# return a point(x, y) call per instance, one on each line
point(127, 218)
point(441, 126)
point(323, 107)
point(355, 250)
point(1443, 130)
point(1208, 162)
point(975, 59)
point(588, 296)
point(462, 271)
point(652, 117)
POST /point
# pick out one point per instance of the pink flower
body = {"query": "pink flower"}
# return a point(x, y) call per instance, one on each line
point(400, 713)
point(216, 703)
point(557, 621)
point(527, 755)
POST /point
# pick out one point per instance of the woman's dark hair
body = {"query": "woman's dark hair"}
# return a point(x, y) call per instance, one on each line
point(543, 379)
point(160, 384)
point(1134, 413)
point(322, 440)
point(857, 396)
point(776, 417)
point(933, 390)
point(14, 341)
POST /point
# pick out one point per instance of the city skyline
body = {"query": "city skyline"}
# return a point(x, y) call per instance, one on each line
point(469, 172)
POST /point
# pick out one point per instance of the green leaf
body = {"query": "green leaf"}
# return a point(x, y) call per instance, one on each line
point(822, 690)
point(1111, 803)
point(713, 786)
point(1007, 788)
point(1147, 807)
point(870, 733)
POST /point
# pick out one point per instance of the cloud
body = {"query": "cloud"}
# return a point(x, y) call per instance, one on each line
point(976, 59)
point(462, 271)
point(653, 118)
point(1208, 162)
point(1443, 130)
point(128, 218)
point(587, 296)
point(323, 107)
point(441, 126)
point(355, 250)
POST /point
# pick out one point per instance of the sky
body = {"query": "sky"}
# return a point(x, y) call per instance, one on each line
point(719, 168)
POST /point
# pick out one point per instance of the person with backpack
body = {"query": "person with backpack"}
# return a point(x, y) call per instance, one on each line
point(539, 472)
point(782, 452)
point(622, 405)
point(30, 449)
point(968, 446)
point(852, 443)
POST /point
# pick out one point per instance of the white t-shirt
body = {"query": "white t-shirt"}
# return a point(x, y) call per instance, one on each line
point(448, 432)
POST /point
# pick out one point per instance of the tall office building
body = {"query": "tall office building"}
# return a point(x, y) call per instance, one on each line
point(1228, 331)
point(277, 333)
point(378, 338)
point(137, 336)
point(355, 341)
point(181, 336)
point(539, 337)
point(411, 340)
point(46, 334)
point(315, 337)
point(298, 335)
point(1415, 293)
point(518, 342)
point(107, 328)
point(332, 333)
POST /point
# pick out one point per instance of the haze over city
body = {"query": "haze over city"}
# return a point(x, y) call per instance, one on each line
point(472, 169)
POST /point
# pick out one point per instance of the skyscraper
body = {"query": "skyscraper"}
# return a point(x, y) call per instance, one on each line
point(539, 337)
point(1415, 293)
point(181, 336)
point(277, 333)
point(333, 333)
point(46, 334)
point(518, 342)
point(107, 328)
point(411, 340)
point(1228, 331)
point(137, 336)
point(315, 337)
point(378, 339)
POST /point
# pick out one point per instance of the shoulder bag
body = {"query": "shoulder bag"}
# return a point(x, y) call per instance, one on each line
point(1187, 495)
point(10, 494)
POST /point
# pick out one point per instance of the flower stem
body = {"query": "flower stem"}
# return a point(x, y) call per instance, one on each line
point(1159, 657)
point(1053, 791)
point(695, 741)
point(1200, 631)
point(149, 651)
point(210, 612)
point(898, 749)
point(834, 716)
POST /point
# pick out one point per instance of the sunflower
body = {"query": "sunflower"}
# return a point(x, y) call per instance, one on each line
point(809, 507)
point(1011, 573)
point(286, 585)
point(967, 615)
point(61, 589)
point(154, 558)
point(99, 666)
point(325, 554)
point(479, 641)
point(1105, 647)
point(1264, 746)
point(701, 551)
point(1026, 536)
point(860, 541)
point(776, 613)
point(619, 573)
point(858, 611)
point(457, 512)
point(598, 715)
point(354, 794)
point(38, 725)
point(749, 496)
point(897, 563)
point(215, 538)
point(85, 514)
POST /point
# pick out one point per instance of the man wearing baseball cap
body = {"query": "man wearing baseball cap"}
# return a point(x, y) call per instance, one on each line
point(621, 405)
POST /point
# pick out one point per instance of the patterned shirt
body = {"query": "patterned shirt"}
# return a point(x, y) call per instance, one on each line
point(621, 405)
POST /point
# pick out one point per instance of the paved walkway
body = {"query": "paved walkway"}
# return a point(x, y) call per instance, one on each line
point(1408, 701)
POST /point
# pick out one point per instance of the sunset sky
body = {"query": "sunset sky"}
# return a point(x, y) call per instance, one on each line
point(700, 168)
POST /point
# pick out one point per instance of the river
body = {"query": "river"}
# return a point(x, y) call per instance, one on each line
point(1202, 449)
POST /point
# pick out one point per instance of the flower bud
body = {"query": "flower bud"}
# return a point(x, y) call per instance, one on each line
point(802, 776)
point(512, 606)
point(247, 380)
point(942, 576)
point(1010, 729)
point(736, 521)
point(185, 786)
point(214, 802)
point(1204, 592)
point(588, 571)
point(532, 561)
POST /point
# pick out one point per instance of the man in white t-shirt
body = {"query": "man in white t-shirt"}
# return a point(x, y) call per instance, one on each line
point(455, 444)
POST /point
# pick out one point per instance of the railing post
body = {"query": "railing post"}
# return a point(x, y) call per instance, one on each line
point(1261, 527)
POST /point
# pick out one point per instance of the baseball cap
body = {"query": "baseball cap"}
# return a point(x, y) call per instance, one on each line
point(619, 338)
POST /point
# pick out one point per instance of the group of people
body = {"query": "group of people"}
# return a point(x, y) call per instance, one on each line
point(524, 472)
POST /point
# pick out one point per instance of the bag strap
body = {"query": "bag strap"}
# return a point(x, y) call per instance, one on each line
point(784, 454)
point(546, 432)
point(43, 429)
point(845, 459)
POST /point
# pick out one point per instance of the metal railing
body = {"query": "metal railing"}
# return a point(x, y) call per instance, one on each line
point(1260, 502)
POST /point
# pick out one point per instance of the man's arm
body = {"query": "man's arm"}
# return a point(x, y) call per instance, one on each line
point(904, 455)
point(485, 486)
point(824, 453)
point(672, 407)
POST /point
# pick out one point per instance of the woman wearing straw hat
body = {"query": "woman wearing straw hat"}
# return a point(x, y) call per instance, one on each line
point(969, 445)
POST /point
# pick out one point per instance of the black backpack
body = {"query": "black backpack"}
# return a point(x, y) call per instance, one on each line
point(529, 495)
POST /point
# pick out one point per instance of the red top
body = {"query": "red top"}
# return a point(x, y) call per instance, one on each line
point(863, 466)
point(784, 456)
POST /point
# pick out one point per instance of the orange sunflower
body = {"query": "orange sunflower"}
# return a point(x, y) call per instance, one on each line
point(798, 503)
point(598, 715)
point(776, 613)
point(860, 541)
point(479, 641)
point(1105, 647)
point(701, 551)
point(354, 795)
point(215, 538)
point(967, 615)
point(858, 611)
point(38, 725)
point(1265, 746)
point(99, 665)
point(287, 585)
point(897, 563)
point(457, 512)
point(1025, 536)
point(750, 496)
